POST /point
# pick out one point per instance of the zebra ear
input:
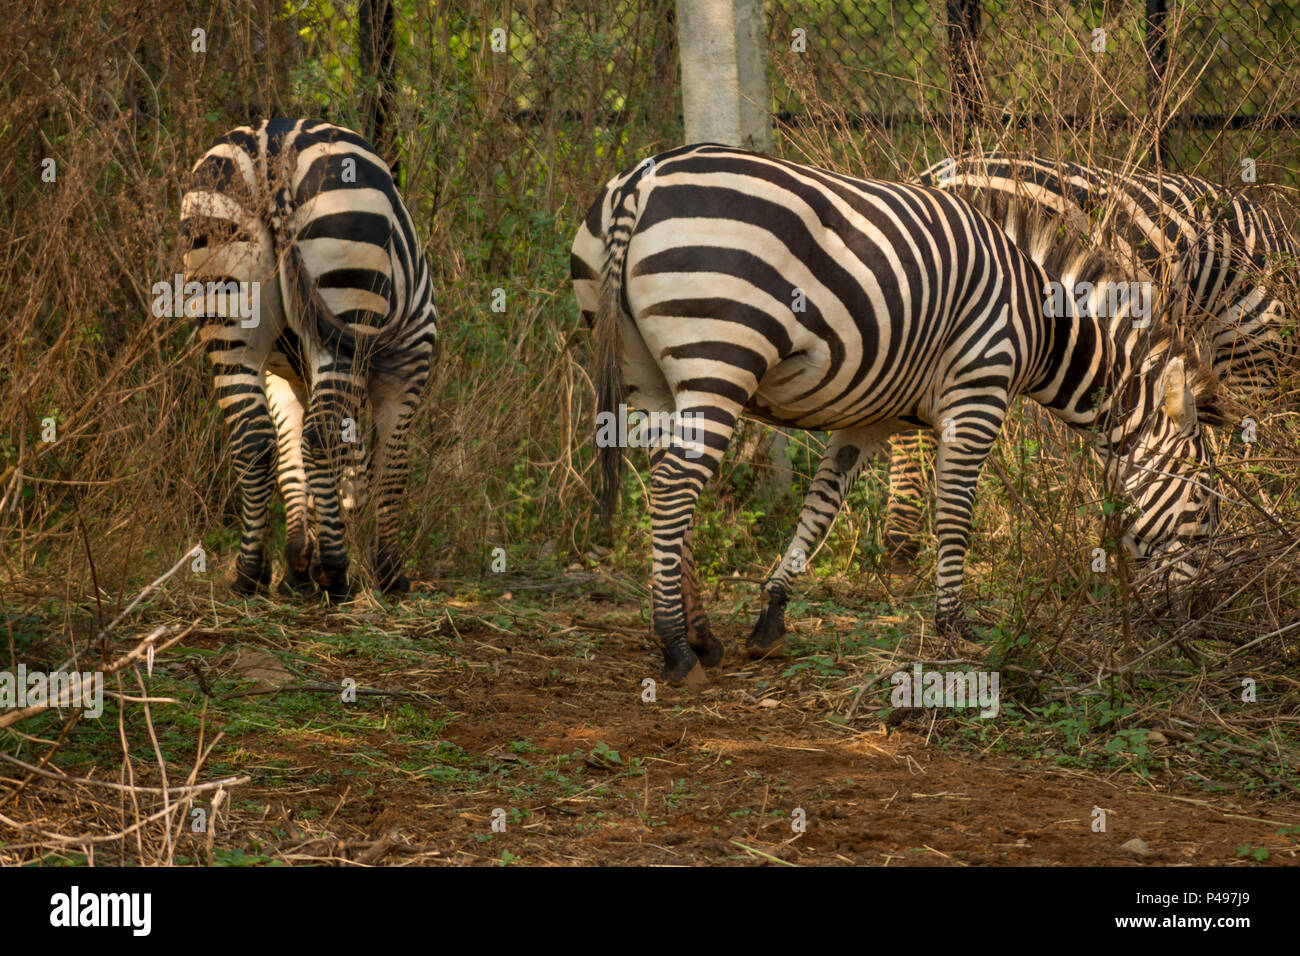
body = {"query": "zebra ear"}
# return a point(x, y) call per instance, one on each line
point(1179, 402)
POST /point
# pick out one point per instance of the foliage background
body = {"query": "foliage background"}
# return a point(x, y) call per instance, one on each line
point(499, 154)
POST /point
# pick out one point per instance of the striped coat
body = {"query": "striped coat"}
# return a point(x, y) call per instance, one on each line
point(721, 282)
point(307, 214)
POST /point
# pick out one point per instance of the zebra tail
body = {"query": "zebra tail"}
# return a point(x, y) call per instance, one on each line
point(611, 388)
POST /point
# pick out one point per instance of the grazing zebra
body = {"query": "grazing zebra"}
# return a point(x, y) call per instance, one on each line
point(1226, 261)
point(720, 281)
point(309, 214)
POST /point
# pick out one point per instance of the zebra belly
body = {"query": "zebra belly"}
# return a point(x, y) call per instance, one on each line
point(853, 410)
point(827, 420)
point(794, 394)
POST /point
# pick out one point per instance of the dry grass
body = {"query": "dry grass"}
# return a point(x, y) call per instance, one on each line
point(497, 169)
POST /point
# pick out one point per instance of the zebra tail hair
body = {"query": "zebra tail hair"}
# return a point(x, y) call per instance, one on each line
point(611, 389)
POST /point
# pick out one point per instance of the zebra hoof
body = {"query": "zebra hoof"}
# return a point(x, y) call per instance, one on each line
point(294, 585)
point(337, 592)
point(397, 586)
point(332, 579)
point(683, 671)
point(957, 638)
point(706, 647)
point(712, 651)
point(341, 593)
point(246, 584)
point(757, 653)
point(387, 567)
point(694, 676)
point(391, 580)
point(767, 639)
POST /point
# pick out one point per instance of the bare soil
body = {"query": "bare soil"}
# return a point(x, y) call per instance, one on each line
point(719, 775)
point(507, 732)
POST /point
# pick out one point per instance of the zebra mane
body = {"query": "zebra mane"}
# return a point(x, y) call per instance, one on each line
point(1062, 249)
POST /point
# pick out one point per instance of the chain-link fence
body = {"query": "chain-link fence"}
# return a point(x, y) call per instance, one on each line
point(1197, 86)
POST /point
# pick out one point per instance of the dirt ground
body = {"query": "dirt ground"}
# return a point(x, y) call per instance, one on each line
point(554, 737)
point(876, 797)
point(519, 731)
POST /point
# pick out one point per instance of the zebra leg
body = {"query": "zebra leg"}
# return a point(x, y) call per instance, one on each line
point(698, 634)
point(957, 472)
point(846, 455)
point(393, 405)
point(333, 402)
point(678, 471)
point(252, 450)
point(227, 246)
point(288, 399)
point(907, 498)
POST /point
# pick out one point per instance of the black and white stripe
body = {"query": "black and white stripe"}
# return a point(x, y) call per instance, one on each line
point(722, 282)
point(310, 213)
point(1225, 262)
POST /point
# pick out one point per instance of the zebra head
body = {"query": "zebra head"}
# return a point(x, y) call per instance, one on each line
point(1166, 467)
point(1154, 443)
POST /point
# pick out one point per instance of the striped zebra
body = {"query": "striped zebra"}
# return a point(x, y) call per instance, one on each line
point(1226, 263)
point(308, 215)
point(720, 282)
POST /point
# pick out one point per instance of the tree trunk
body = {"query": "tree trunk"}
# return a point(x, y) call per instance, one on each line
point(377, 39)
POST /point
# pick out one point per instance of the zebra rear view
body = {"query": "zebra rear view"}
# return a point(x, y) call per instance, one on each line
point(721, 282)
point(307, 216)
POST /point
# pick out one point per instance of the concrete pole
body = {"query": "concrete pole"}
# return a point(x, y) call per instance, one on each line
point(726, 99)
point(751, 74)
point(706, 37)
point(725, 94)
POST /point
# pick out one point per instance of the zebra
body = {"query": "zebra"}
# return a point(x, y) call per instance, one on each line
point(719, 281)
point(1227, 262)
point(308, 214)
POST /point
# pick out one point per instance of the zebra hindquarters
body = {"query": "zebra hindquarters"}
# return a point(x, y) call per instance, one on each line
point(905, 513)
